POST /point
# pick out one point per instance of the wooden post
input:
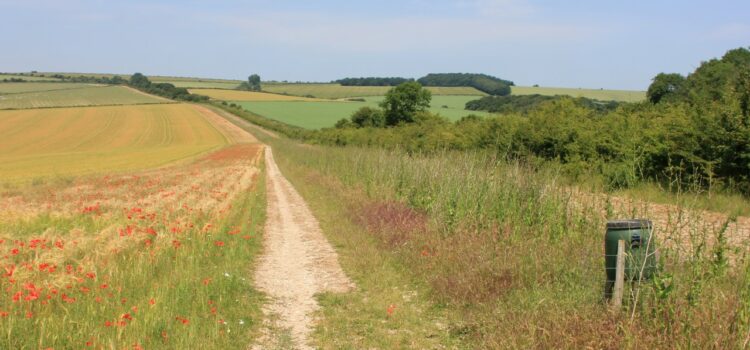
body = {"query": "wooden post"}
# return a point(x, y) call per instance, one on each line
point(619, 276)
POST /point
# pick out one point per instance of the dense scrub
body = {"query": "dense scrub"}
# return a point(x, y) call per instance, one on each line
point(524, 103)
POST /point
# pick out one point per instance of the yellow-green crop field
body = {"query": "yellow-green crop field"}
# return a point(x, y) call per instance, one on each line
point(603, 95)
point(334, 91)
point(86, 96)
point(249, 96)
point(42, 143)
point(199, 84)
point(17, 88)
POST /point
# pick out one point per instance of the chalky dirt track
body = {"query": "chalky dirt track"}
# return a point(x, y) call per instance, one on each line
point(297, 263)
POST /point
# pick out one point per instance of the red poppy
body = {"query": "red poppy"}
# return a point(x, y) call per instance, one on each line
point(391, 308)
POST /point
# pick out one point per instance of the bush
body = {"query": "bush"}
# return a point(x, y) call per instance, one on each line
point(368, 117)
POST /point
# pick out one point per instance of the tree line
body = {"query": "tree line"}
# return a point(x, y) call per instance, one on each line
point(372, 81)
point(482, 82)
point(141, 82)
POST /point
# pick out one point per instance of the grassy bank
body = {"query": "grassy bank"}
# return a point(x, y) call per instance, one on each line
point(503, 257)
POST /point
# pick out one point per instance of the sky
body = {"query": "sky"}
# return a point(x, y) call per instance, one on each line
point(582, 44)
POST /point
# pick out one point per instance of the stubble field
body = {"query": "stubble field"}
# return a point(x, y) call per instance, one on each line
point(39, 143)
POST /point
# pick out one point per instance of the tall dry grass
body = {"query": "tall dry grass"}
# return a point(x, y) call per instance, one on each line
point(519, 257)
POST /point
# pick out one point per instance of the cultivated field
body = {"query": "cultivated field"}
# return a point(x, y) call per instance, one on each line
point(42, 143)
point(335, 91)
point(151, 259)
point(85, 96)
point(603, 95)
point(322, 114)
point(200, 84)
point(15, 88)
point(236, 95)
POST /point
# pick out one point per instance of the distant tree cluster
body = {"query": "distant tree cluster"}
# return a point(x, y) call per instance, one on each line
point(141, 82)
point(372, 81)
point(13, 80)
point(403, 104)
point(481, 82)
point(522, 104)
point(252, 83)
point(711, 83)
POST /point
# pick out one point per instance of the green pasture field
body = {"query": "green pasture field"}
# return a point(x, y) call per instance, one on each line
point(603, 95)
point(16, 88)
point(88, 96)
point(335, 91)
point(316, 115)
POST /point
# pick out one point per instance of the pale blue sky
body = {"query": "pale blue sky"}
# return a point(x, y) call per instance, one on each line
point(593, 44)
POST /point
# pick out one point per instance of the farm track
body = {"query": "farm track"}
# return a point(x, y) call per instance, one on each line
point(298, 262)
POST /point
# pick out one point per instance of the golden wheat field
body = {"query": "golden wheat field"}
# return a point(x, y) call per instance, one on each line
point(41, 143)
point(235, 95)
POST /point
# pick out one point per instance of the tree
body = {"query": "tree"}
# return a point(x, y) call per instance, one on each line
point(368, 117)
point(666, 87)
point(403, 101)
point(139, 80)
point(254, 82)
